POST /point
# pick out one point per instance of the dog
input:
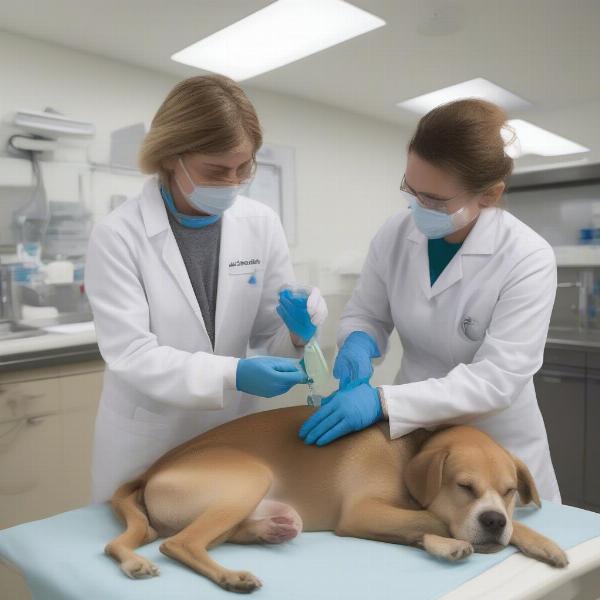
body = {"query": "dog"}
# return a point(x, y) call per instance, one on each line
point(253, 480)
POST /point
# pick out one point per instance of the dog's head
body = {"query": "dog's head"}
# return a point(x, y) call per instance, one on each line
point(471, 483)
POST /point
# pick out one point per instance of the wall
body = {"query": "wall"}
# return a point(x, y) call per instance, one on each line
point(348, 167)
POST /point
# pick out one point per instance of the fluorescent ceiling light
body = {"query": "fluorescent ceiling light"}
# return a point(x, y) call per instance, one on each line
point(474, 88)
point(280, 33)
point(531, 139)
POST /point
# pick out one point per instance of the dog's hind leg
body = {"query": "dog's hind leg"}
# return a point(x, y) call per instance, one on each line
point(272, 522)
point(125, 503)
point(226, 487)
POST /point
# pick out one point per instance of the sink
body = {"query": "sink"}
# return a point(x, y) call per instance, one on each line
point(11, 330)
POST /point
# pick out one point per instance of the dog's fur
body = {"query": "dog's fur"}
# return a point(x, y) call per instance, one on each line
point(253, 480)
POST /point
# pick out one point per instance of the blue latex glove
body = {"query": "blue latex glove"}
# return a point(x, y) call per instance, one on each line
point(292, 309)
point(341, 413)
point(268, 376)
point(353, 363)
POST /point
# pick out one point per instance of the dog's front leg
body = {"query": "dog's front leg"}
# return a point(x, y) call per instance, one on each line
point(375, 519)
point(535, 545)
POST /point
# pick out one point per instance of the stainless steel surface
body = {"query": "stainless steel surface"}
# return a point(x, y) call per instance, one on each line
point(49, 358)
point(11, 330)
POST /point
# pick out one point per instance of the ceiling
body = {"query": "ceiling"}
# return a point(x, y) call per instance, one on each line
point(546, 51)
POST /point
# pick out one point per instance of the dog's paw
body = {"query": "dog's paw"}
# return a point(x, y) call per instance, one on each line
point(242, 582)
point(447, 548)
point(139, 567)
point(547, 551)
point(276, 530)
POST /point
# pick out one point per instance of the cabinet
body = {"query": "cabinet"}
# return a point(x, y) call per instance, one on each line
point(568, 392)
point(46, 427)
point(591, 491)
point(561, 398)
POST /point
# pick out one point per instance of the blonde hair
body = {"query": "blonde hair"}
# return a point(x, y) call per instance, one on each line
point(208, 114)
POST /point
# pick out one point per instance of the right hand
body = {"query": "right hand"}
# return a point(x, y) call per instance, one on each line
point(353, 362)
point(268, 376)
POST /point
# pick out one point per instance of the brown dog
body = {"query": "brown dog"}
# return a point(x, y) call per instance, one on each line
point(254, 481)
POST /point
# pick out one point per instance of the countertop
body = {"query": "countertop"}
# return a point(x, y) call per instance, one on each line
point(571, 337)
point(71, 343)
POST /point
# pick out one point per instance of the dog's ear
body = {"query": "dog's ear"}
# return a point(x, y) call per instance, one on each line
point(526, 484)
point(423, 475)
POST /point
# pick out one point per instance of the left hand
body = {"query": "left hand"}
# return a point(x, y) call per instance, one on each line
point(302, 312)
point(341, 413)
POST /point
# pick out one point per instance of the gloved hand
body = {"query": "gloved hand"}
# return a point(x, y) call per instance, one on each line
point(341, 413)
point(268, 376)
point(353, 362)
point(301, 312)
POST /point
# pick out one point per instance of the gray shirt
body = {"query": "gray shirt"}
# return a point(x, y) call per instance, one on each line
point(200, 252)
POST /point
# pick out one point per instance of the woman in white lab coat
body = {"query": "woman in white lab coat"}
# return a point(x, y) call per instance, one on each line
point(182, 279)
point(468, 287)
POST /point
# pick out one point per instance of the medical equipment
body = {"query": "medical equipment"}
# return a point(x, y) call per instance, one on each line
point(317, 370)
point(314, 362)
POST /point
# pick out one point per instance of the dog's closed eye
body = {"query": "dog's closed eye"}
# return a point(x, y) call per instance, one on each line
point(467, 487)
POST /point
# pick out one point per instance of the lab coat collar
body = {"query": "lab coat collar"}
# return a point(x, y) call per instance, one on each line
point(152, 207)
point(480, 241)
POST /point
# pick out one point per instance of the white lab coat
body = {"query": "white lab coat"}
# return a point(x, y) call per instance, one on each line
point(164, 383)
point(472, 341)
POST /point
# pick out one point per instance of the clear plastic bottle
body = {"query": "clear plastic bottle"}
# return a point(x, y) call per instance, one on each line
point(318, 372)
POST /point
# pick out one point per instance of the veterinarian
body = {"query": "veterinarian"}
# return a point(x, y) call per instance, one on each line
point(469, 289)
point(182, 279)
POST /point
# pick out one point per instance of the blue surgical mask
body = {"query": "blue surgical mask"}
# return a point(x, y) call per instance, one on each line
point(211, 199)
point(435, 224)
point(191, 221)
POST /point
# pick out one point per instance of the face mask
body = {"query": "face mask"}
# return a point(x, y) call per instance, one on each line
point(214, 200)
point(191, 221)
point(434, 224)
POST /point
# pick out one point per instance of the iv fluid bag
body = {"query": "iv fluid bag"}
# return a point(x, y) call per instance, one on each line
point(316, 367)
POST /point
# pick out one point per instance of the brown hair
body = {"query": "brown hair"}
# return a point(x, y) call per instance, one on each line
point(209, 114)
point(465, 137)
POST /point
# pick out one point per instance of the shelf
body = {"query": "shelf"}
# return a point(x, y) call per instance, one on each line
point(577, 256)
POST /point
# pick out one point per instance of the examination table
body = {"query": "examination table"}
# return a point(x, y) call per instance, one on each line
point(62, 558)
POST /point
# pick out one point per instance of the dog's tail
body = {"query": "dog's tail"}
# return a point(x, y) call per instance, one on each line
point(127, 504)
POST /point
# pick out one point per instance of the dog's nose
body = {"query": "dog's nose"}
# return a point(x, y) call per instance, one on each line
point(492, 521)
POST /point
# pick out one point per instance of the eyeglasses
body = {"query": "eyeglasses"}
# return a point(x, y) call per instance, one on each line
point(218, 175)
point(426, 201)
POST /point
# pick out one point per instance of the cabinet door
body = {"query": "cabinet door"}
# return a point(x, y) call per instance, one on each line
point(30, 451)
point(592, 450)
point(561, 398)
point(79, 396)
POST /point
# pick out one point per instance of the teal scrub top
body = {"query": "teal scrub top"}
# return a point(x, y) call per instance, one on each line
point(440, 254)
